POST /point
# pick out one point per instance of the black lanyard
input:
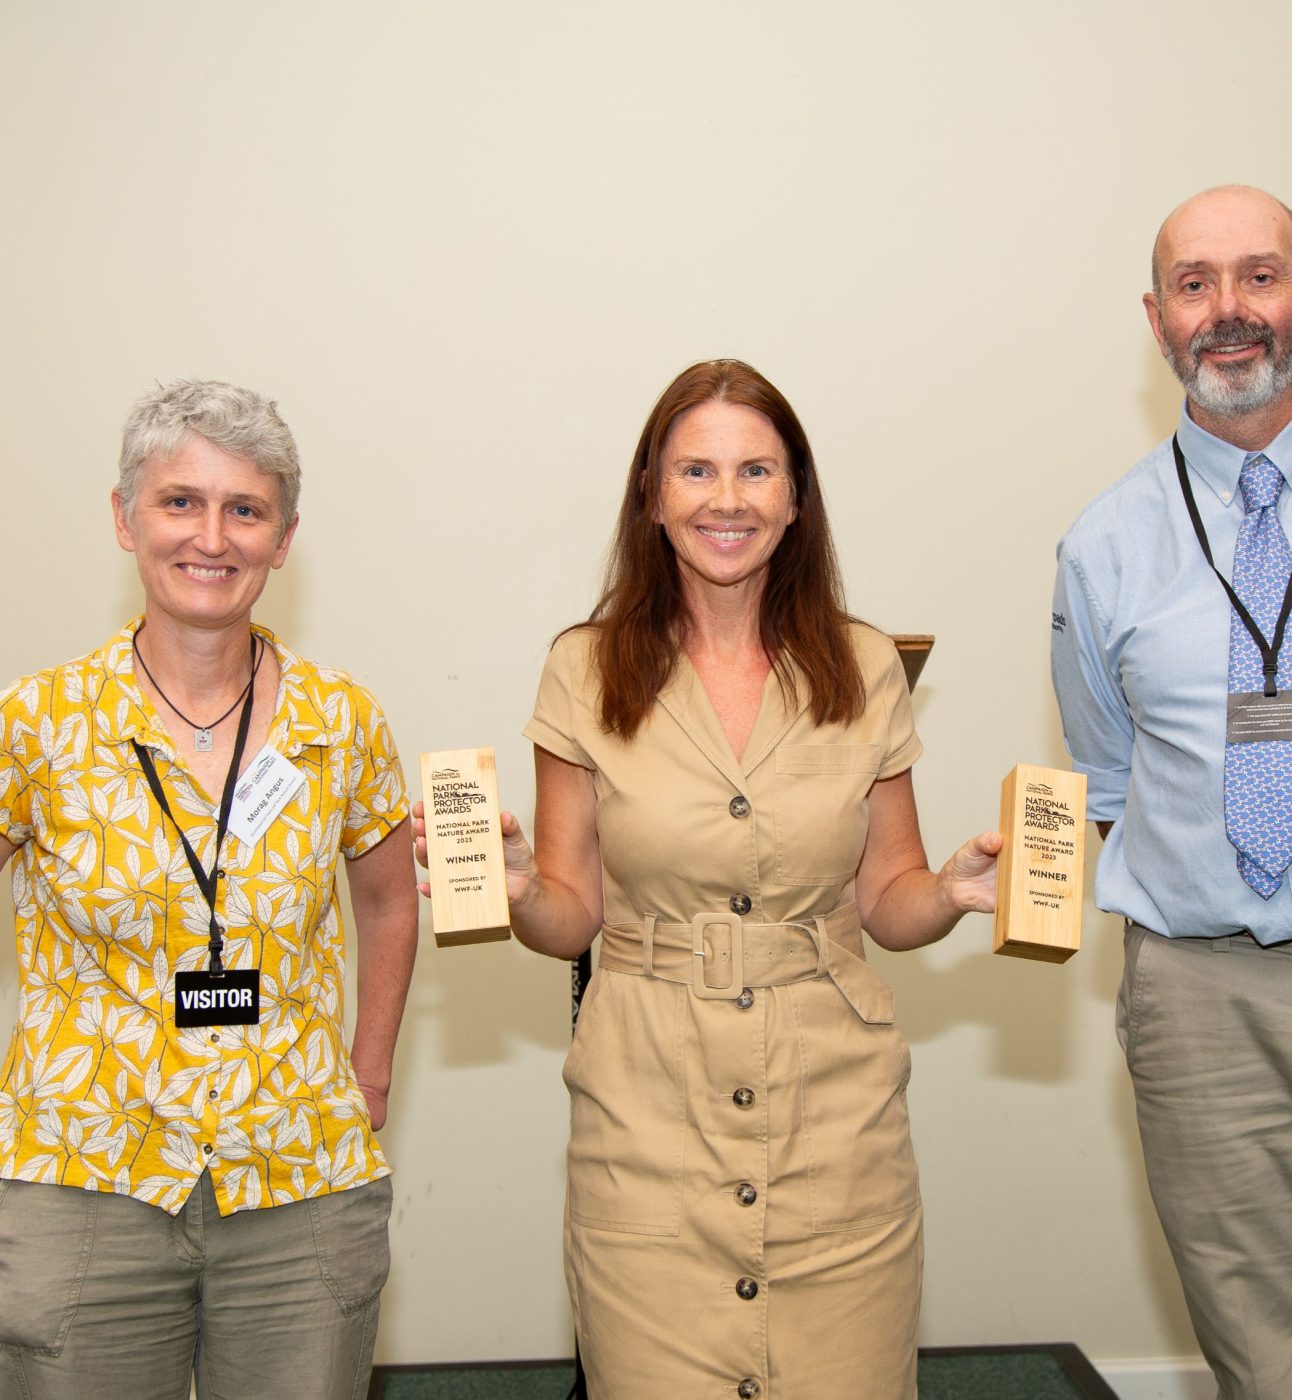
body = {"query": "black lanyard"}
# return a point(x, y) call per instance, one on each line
point(1269, 650)
point(207, 883)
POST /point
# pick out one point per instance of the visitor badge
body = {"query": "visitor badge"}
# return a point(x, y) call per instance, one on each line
point(232, 999)
point(266, 786)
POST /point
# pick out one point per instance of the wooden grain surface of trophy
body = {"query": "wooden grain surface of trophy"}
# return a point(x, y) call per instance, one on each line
point(464, 857)
point(1040, 876)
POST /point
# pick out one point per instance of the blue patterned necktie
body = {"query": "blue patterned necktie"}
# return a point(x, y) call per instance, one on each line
point(1258, 776)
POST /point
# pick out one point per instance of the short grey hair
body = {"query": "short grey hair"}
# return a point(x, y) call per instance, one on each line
point(238, 421)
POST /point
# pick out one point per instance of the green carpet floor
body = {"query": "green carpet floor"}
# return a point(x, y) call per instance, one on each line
point(487, 1383)
point(1029, 1373)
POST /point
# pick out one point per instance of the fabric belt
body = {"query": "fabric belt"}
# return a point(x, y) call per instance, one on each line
point(718, 955)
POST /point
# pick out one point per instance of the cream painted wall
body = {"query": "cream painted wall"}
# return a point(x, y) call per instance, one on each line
point(465, 245)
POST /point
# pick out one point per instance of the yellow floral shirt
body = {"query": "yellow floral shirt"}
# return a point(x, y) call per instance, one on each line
point(99, 1088)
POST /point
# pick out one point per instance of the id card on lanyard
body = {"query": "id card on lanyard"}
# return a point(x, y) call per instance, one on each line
point(214, 997)
point(1258, 716)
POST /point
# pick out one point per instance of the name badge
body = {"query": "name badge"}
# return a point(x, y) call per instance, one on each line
point(266, 786)
point(231, 1000)
point(1257, 718)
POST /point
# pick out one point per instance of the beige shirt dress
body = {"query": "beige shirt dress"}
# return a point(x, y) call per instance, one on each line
point(743, 1211)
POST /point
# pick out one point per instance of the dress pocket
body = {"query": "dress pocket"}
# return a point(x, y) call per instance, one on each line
point(627, 1083)
point(821, 817)
point(46, 1236)
point(861, 1165)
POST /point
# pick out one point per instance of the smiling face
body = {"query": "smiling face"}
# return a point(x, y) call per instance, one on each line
point(726, 495)
point(205, 530)
point(1222, 307)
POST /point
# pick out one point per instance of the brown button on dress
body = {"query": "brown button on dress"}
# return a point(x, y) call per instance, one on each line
point(715, 1141)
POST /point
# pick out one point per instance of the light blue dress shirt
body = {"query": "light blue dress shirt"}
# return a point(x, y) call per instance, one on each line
point(1140, 656)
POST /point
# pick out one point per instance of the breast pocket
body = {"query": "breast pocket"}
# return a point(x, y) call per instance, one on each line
point(627, 1106)
point(821, 816)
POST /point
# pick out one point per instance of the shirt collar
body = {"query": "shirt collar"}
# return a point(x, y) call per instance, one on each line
point(1218, 462)
point(1280, 452)
point(301, 716)
point(308, 713)
point(122, 712)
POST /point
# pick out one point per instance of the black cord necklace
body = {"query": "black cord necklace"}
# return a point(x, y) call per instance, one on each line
point(203, 737)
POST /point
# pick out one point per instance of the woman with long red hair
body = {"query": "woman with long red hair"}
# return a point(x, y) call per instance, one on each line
point(724, 796)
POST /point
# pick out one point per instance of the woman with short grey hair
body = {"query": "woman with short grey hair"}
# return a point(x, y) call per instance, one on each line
point(189, 1183)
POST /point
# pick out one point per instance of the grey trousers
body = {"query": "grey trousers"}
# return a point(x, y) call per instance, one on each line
point(1206, 1025)
point(106, 1298)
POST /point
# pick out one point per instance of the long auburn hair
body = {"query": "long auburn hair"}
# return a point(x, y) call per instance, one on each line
point(640, 620)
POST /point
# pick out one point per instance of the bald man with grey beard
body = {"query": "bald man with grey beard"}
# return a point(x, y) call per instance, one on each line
point(1176, 693)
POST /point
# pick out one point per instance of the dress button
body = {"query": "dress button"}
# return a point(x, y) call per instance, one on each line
point(206, 1149)
point(215, 1037)
point(745, 1000)
point(746, 1193)
point(739, 807)
point(743, 1098)
point(213, 1095)
point(748, 1389)
point(746, 1288)
point(740, 903)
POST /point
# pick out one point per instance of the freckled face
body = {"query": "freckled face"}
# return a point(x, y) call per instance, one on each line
point(205, 531)
point(726, 494)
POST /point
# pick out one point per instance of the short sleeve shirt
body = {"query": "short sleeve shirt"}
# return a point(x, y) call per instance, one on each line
point(684, 826)
point(99, 1088)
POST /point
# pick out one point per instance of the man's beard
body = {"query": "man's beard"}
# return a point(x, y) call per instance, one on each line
point(1239, 389)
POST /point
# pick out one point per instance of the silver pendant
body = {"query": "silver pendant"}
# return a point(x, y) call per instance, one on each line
point(203, 740)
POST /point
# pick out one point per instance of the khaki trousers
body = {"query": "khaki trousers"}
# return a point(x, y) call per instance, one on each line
point(1206, 1024)
point(107, 1298)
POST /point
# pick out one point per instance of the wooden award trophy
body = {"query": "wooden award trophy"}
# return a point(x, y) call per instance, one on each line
point(1039, 877)
point(464, 857)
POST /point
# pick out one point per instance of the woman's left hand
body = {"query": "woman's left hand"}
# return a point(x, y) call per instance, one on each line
point(968, 879)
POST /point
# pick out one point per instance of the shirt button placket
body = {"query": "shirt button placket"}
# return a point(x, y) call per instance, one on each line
point(209, 1126)
point(740, 902)
point(746, 1194)
point(744, 1098)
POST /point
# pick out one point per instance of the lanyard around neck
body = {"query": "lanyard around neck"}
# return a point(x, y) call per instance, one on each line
point(1269, 650)
point(207, 883)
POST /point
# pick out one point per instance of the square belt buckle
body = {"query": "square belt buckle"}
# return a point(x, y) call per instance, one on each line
point(736, 942)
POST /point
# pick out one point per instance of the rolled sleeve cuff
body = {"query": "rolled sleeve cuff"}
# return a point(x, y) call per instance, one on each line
point(902, 758)
point(539, 732)
point(1105, 792)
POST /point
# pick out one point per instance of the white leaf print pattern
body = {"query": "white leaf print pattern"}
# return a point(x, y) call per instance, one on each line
point(102, 1090)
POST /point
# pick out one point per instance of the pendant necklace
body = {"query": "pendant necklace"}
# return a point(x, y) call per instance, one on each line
point(203, 734)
